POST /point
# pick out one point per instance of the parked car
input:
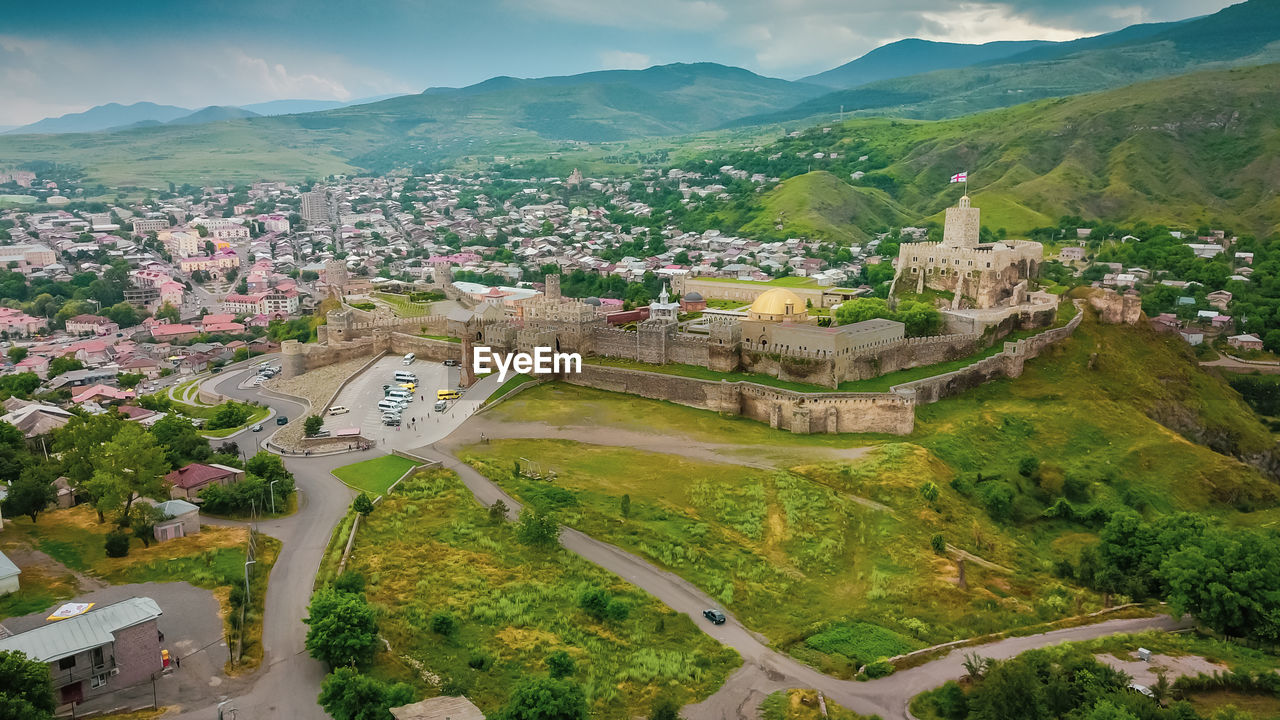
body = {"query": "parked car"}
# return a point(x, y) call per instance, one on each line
point(338, 410)
point(257, 428)
point(442, 405)
point(715, 616)
point(282, 420)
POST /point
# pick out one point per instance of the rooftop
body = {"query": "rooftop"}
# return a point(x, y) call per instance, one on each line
point(84, 632)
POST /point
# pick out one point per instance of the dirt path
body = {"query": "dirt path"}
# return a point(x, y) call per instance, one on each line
point(758, 456)
point(25, 556)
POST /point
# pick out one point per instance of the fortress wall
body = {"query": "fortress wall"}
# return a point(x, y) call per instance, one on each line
point(783, 409)
point(1007, 363)
point(689, 350)
point(425, 348)
point(616, 343)
point(812, 370)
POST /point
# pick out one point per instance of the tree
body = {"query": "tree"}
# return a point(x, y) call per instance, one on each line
point(128, 380)
point(362, 504)
point(1010, 690)
point(168, 312)
point(131, 466)
point(143, 520)
point(268, 467)
point(22, 384)
point(343, 629)
point(1106, 710)
point(13, 453)
point(79, 443)
point(560, 664)
point(539, 698)
point(537, 528)
point(26, 690)
point(230, 414)
point(312, 425)
point(17, 354)
point(930, 492)
point(497, 512)
point(123, 314)
point(347, 695)
point(32, 492)
point(66, 363)
point(181, 441)
point(939, 544)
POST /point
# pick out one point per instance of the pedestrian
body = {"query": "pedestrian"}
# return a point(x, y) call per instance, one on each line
point(177, 661)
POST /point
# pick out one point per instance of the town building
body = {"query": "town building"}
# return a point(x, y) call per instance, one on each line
point(100, 651)
point(315, 206)
point(186, 482)
point(9, 573)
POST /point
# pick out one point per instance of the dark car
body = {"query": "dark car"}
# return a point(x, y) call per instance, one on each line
point(715, 616)
point(282, 420)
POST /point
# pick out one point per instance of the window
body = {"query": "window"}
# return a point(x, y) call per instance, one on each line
point(67, 663)
point(97, 657)
point(98, 680)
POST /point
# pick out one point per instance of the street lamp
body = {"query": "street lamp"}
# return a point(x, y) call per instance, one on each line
point(271, 490)
point(246, 579)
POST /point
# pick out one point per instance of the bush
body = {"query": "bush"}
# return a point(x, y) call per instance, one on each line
point(950, 702)
point(878, 669)
point(560, 665)
point(231, 414)
point(443, 623)
point(312, 425)
point(861, 642)
point(117, 544)
point(480, 661)
point(939, 544)
point(537, 528)
point(349, 581)
point(362, 504)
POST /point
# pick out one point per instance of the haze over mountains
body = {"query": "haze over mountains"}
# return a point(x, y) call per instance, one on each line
point(505, 115)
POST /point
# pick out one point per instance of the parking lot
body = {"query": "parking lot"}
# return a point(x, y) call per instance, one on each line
point(420, 424)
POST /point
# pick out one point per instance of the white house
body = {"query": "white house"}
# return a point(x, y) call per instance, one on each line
point(8, 575)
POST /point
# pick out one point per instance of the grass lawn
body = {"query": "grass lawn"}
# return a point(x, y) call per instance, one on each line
point(718, 304)
point(429, 548)
point(757, 540)
point(789, 281)
point(803, 705)
point(701, 373)
point(512, 383)
point(403, 306)
point(374, 476)
point(213, 559)
point(258, 414)
point(445, 338)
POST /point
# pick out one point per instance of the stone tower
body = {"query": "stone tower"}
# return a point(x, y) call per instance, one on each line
point(335, 275)
point(962, 226)
point(442, 273)
point(553, 287)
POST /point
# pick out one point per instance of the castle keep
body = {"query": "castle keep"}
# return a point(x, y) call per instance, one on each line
point(986, 275)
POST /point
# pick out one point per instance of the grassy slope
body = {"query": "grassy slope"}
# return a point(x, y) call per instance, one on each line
point(763, 537)
point(430, 548)
point(822, 206)
point(376, 475)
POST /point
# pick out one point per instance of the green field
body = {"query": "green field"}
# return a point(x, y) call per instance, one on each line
point(756, 540)
point(374, 476)
point(511, 384)
point(429, 548)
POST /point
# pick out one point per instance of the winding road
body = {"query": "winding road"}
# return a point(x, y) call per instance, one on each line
point(289, 682)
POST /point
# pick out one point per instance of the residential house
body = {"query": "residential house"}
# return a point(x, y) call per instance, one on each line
point(91, 325)
point(9, 573)
point(101, 394)
point(181, 519)
point(186, 482)
point(16, 322)
point(100, 651)
point(1219, 299)
point(1245, 342)
point(1071, 254)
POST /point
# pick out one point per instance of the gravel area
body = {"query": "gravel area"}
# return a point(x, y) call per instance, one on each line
point(316, 387)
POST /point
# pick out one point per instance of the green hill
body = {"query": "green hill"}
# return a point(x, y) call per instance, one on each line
point(500, 115)
point(1192, 149)
point(1240, 35)
point(821, 205)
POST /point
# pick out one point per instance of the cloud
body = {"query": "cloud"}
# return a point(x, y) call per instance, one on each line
point(689, 15)
point(623, 60)
point(40, 78)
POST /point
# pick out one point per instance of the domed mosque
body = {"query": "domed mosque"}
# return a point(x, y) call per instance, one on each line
point(778, 305)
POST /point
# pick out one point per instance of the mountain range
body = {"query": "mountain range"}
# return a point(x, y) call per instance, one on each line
point(631, 108)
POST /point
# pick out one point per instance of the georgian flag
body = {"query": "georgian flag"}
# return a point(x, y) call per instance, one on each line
point(960, 177)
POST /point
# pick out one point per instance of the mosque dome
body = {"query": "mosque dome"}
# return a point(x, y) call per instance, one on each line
point(693, 296)
point(592, 301)
point(777, 304)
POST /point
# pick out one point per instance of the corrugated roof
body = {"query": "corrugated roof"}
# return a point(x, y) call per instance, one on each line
point(7, 568)
point(84, 632)
point(439, 708)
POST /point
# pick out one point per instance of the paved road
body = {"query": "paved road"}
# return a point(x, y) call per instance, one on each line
point(765, 670)
point(289, 682)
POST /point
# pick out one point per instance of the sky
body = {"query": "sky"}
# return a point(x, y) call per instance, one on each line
point(63, 57)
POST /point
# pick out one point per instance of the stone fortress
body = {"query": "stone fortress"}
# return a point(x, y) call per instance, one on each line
point(776, 336)
point(985, 275)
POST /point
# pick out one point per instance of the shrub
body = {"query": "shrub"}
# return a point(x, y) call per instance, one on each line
point(537, 528)
point(362, 504)
point(231, 414)
point(443, 623)
point(480, 661)
point(878, 669)
point(665, 708)
point(861, 642)
point(950, 702)
point(560, 665)
point(116, 544)
point(939, 544)
point(497, 512)
point(1028, 466)
point(312, 425)
point(349, 581)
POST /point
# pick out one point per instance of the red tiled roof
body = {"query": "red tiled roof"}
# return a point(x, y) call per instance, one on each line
point(195, 475)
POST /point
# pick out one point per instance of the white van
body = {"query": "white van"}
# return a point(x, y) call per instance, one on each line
point(406, 377)
point(389, 404)
point(338, 410)
point(442, 405)
point(408, 359)
point(400, 395)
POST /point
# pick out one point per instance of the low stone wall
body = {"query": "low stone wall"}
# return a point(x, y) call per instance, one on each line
point(298, 358)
